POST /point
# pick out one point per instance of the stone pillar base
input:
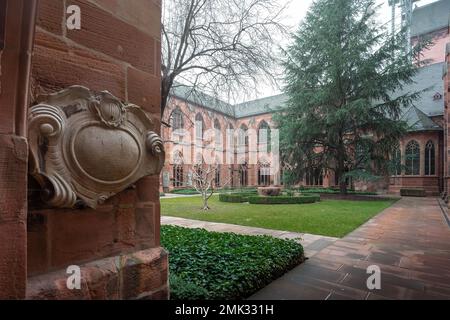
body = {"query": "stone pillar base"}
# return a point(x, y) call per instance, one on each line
point(13, 216)
point(141, 275)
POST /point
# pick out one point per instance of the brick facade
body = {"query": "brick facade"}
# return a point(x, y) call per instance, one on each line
point(433, 184)
point(116, 245)
point(229, 173)
point(446, 79)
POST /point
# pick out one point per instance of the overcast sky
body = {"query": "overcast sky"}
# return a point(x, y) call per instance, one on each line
point(296, 12)
point(298, 8)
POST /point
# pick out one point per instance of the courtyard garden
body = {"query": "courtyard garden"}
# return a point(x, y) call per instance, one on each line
point(212, 265)
point(334, 218)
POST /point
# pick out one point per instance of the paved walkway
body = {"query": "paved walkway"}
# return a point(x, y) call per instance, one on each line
point(409, 241)
point(311, 243)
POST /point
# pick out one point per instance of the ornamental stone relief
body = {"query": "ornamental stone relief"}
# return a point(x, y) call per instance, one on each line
point(86, 147)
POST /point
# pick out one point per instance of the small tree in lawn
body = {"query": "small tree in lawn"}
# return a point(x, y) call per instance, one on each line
point(342, 72)
point(203, 177)
point(203, 180)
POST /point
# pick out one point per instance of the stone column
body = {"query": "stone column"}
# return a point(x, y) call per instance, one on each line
point(18, 20)
point(116, 244)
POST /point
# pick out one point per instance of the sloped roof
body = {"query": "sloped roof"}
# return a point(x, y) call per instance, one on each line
point(260, 106)
point(419, 121)
point(429, 77)
point(430, 17)
point(242, 110)
point(202, 99)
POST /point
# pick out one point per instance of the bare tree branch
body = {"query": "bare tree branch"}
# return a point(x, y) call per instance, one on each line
point(220, 45)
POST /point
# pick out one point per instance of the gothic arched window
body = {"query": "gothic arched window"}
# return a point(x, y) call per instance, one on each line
point(412, 158)
point(178, 176)
point(217, 132)
point(314, 177)
point(217, 175)
point(230, 136)
point(430, 159)
point(243, 175)
point(243, 135)
point(264, 174)
point(177, 119)
point(264, 133)
point(199, 126)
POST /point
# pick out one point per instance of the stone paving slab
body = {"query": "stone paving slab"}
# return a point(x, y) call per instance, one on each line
point(409, 241)
point(311, 243)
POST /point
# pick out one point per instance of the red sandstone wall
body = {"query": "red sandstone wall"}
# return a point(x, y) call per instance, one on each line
point(436, 53)
point(446, 79)
point(430, 183)
point(117, 49)
point(13, 148)
point(190, 111)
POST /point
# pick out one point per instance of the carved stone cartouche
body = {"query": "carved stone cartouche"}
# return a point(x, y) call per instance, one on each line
point(87, 146)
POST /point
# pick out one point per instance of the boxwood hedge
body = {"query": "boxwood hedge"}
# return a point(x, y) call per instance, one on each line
point(185, 191)
point(235, 197)
point(211, 265)
point(284, 199)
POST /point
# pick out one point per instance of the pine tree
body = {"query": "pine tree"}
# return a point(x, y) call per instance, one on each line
point(342, 71)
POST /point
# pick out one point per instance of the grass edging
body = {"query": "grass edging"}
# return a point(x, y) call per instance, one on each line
point(284, 199)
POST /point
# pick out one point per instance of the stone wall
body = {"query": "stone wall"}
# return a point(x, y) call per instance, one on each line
point(174, 143)
point(446, 79)
point(15, 40)
point(436, 52)
point(431, 184)
point(116, 245)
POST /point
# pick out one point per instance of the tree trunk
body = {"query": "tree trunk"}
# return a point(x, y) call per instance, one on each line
point(166, 86)
point(205, 202)
point(343, 187)
point(340, 170)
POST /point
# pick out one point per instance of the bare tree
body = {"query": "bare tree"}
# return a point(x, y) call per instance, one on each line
point(219, 45)
point(203, 177)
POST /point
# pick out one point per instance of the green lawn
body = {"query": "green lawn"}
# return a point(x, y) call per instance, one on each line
point(334, 218)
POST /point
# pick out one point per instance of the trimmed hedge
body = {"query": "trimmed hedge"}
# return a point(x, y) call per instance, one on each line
point(224, 266)
point(333, 191)
point(185, 191)
point(413, 192)
point(284, 199)
point(235, 197)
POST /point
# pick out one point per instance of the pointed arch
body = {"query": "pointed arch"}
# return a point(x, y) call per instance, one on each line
point(412, 158)
point(243, 135)
point(178, 170)
point(264, 133)
point(199, 126)
point(177, 119)
point(243, 174)
point(217, 132)
point(263, 173)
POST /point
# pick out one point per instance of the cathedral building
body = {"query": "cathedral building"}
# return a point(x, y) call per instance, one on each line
point(423, 155)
